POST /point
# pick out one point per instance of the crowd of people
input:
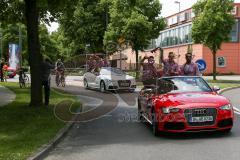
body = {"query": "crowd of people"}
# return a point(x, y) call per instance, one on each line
point(170, 67)
point(94, 63)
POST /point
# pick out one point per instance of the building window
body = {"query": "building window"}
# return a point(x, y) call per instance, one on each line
point(234, 32)
point(190, 33)
point(174, 36)
point(221, 61)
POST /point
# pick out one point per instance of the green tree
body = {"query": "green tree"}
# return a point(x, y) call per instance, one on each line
point(61, 43)
point(49, 46)
point(31, 12)
point(136, 21)
point(212, 24)
point(85, 24)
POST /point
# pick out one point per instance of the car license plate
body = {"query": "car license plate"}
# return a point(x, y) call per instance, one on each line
point(201, 119)
point(124, 84)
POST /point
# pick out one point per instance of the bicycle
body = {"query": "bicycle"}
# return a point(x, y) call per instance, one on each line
point(24, 80)
point(60, 79)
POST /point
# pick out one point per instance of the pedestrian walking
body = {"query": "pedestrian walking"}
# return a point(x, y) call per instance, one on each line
point(190, 68)
point(1, 69)
point(46, 70)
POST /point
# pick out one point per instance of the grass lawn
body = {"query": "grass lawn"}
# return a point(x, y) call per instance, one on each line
point(224, 85)
point(24, 129)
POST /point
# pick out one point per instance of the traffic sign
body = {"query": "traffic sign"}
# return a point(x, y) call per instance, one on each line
point(202, 65)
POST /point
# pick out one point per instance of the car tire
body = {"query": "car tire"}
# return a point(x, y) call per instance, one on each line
point(102, 87)
point(154, 124)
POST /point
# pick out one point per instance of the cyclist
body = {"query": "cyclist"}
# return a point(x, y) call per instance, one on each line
point(60, 68)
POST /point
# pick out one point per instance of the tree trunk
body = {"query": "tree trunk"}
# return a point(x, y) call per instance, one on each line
point(137, 64)
point(214, 65)
point(35, 57)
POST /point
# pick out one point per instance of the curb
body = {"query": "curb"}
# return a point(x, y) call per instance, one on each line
point(42, 152)
point(45, 149)
point(227, 89)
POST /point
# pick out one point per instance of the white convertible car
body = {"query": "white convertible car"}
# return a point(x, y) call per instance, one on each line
point(110, 79)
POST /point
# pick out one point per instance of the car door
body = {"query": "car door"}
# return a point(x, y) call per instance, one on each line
point(91, 77)
point(145, 98)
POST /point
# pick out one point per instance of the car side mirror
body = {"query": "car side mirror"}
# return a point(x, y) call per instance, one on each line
point(215, 88)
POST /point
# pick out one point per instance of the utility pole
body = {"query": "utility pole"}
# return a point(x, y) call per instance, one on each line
point(20, 45)
point(179, 9)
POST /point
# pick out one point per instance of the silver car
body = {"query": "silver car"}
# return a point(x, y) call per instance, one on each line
point(109, 78)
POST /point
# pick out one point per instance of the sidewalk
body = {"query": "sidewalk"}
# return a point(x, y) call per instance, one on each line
point(230, 77)
point(6, 96)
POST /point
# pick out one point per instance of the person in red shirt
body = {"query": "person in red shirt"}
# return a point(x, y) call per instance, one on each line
point(5, 72)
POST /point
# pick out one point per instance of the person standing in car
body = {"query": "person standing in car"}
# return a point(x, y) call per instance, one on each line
point(190, 68)
point(150, 74)
point(170, 67)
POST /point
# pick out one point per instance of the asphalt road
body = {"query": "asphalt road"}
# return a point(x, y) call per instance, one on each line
point(117, 135)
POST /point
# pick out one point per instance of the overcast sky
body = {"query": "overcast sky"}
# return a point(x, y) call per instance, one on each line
point(168, 8)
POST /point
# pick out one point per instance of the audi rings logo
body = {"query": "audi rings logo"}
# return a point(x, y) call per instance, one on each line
point(200, 111)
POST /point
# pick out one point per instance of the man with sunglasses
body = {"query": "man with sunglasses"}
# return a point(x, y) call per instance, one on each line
point(189, 68)
point(149, 71)
point(170, 66)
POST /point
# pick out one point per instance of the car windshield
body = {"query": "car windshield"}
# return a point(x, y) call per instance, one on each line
point(182, 84)
point(110, 70)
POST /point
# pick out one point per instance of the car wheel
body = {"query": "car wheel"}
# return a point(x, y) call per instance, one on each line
point(154, 124)
point(102, 87)
point(85, 83)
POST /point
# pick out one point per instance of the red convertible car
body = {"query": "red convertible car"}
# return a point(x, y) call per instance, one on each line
point(184, 104)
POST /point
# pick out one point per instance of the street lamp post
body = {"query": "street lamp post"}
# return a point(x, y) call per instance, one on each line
point(179, 5)
point(20, 45)
point(179, 9)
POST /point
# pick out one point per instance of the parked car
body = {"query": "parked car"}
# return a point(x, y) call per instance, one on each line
point(109, 79)
point(184, 104)
point(11, 72)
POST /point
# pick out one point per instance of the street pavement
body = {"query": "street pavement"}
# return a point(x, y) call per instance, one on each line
point(117, 135)
point(6, 96)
